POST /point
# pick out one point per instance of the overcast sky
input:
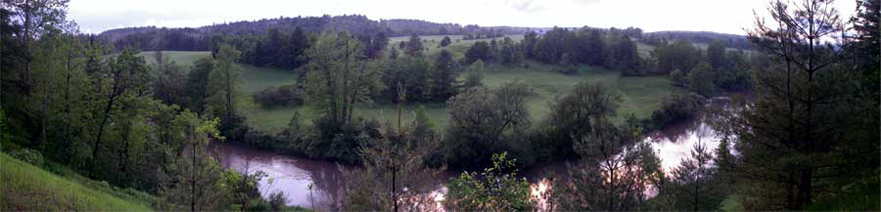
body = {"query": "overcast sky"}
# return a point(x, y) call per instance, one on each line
point(727, 16)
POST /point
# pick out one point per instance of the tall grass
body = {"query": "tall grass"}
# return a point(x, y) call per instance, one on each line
point(30, 188)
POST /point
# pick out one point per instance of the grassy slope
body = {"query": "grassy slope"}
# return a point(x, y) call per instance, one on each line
point(642, 95)
point(29, 188)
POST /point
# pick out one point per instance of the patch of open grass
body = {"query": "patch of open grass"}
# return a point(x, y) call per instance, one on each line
point(641, 95)
point(253, 78)
point(183, 58)
point(29, 188)
point(431, 44)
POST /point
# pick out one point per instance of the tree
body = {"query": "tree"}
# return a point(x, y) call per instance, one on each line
point(613, 172)
point(412, 73)
point(679, 79)
point(716, 55)
point(551, 46)
point(375, 44)
point(791, 136)
point(443, 77)
point(480, 50)
point(679, 55)
point(571, 115)
point(625, 57)
point(34, 17)
point(395, 175)
point(528, 43)
point(393, 54)
point(198, 90)
point(510, 52)
point(484, 121)
point(596, 47)
point(694, 184)
point(338, 78)
point(414, 46)
point(866, 43)
point(445, 41)
point(474, 75)
point(191, 181)
point(224, 82)
point(128, 76)
point(701, 80)
point(171, 82)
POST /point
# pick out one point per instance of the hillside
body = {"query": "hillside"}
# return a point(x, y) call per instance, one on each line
point(28, 188)
point(199, 38)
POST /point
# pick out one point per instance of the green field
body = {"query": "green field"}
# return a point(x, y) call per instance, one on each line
point(29, 188)
point(642, 95)
point(431, 43)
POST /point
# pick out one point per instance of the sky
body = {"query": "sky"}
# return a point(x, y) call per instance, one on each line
point(725, 16)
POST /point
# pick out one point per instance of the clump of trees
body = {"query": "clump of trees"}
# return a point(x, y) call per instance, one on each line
point(570, 117)
point(484, 121)
point(677, 107)
point(112, 117)
point(278, 49)
point(717, 70)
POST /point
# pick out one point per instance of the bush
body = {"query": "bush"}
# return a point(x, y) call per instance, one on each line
point(286, 95)
point(679, 79)
point(340, 142)
point(677, 107)
point(496, 189)
point(568, 70)
point(28, 155)
point(277, 200)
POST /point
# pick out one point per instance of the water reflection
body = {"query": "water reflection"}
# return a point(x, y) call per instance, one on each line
point(674, 142)
point(294, 175)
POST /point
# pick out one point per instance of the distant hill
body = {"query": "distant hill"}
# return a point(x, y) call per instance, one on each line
point(199, 39)
point(730, 40)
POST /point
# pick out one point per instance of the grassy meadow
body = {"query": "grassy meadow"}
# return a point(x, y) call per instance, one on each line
point(641, 95)
point(29, 188)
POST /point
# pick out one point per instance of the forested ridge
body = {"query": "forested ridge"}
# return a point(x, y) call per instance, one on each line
point(145, 124)
point(201, 38)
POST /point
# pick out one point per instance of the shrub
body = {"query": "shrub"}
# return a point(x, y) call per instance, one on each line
point(568, 70)
point(286, 95)
point(496, 189)
point(28, 155)
point(677, 107)
point(277, 200)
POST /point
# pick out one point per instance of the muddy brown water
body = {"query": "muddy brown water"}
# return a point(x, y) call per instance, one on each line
point(295, 175)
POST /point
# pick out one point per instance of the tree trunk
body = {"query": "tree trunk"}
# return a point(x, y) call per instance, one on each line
point(804, 188)
point(101, 126)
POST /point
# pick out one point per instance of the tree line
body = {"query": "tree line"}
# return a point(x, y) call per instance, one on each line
point(114, 117)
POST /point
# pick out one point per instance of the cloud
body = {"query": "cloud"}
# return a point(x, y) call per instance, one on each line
point(586, 2)
point(526, 6)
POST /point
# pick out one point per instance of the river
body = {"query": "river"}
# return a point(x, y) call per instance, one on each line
point(295, 175)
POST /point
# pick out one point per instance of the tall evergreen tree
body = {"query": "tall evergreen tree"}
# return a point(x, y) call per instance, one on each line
point(792, 139)
point(414, 46)
point(443, 77)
